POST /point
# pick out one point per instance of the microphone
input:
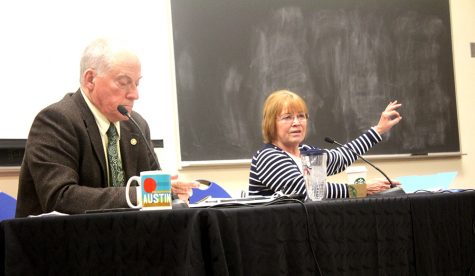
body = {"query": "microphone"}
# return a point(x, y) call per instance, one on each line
point(124, 112)
point(393, 188)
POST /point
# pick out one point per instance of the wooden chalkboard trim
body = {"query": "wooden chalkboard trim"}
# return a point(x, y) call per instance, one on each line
point(207, 163)
point(247, 162)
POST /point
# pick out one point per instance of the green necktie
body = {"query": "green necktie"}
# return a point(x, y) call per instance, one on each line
point(116, 173)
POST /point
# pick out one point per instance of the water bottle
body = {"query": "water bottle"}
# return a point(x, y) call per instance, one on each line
point(314, 163)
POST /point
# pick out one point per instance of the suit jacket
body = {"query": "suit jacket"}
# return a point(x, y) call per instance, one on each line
point(64, 167)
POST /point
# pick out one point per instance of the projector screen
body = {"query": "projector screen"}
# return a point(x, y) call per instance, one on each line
point(41, 48)
point(42, 42)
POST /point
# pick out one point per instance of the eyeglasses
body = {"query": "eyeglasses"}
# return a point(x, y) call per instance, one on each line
point(290, 118)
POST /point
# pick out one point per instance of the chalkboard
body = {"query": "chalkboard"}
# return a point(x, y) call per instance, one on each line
point(346, 58)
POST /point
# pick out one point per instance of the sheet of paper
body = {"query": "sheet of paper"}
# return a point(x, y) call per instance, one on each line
point(231, 201)
point(53, 213)
point(432, 182)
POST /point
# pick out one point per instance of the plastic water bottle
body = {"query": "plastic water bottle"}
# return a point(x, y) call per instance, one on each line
point(315, 173)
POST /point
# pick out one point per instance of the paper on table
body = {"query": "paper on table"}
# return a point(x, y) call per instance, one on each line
point(53, 213)
point(220, 201)
point(432, 182)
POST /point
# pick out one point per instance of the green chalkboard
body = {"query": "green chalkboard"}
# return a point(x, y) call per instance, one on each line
point(348, 59)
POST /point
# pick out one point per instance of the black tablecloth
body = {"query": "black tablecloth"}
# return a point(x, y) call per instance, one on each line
point(444, 234)
point(422, 234)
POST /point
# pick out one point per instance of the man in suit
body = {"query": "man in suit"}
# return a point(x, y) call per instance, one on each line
point(66, 167)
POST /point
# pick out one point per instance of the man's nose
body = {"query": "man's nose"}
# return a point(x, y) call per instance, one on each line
point(133, 92)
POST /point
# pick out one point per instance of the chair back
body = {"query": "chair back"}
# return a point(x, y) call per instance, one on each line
point(212, 189)
point(7, 206)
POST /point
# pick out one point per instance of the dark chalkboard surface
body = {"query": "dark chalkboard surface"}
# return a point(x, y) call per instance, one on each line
point(348, 59)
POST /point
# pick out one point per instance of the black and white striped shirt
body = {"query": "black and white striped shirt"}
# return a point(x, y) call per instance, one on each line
point(273, 170)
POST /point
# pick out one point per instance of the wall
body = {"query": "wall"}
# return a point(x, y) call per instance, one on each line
point(234, 177)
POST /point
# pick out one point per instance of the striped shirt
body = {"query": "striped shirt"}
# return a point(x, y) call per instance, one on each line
point(273, 169)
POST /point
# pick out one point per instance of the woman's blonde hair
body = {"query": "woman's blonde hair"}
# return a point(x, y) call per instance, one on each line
point(274, 105)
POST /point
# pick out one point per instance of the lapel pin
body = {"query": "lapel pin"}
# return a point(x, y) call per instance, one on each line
point(133, 141)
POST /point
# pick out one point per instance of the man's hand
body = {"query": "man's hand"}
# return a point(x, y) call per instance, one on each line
point(182, 188)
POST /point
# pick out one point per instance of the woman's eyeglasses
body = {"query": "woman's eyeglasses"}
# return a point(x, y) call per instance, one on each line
point(290, 118)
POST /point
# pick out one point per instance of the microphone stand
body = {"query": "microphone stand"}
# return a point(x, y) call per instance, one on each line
point(176, 202)
point(124, 112)
point(393, 189)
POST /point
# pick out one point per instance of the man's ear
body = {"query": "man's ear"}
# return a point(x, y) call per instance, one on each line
point(89, 79)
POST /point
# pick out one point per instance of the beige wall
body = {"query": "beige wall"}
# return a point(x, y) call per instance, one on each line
point(234, 177)
point(9, 181)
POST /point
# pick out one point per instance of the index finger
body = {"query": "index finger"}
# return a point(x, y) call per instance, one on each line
point(393, 105)
point(187, 184)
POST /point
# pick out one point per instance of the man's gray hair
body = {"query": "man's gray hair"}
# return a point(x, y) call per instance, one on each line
point(99, 55)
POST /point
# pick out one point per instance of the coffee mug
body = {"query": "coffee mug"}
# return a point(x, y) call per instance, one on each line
point(357, 180)
point(154, 192)
point(356, 174)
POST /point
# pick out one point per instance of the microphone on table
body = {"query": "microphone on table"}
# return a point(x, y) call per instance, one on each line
point(124, 112)
point(393, 188)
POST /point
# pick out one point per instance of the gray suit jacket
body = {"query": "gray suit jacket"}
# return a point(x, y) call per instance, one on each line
point(64, 167)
